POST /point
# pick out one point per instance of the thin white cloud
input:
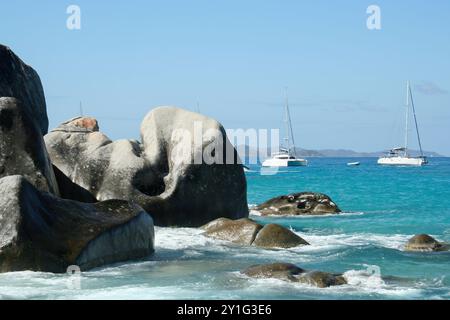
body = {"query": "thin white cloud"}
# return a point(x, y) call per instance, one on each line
point(429, 88)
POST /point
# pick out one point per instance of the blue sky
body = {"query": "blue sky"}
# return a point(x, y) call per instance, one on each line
point(346, 83)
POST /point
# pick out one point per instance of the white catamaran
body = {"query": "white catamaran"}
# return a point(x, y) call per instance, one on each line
point(400, 156)
point(287, 156)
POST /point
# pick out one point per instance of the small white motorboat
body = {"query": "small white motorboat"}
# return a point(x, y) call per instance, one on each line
point(353, 164)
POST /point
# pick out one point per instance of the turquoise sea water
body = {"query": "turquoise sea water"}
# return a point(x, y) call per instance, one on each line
point(384, 207)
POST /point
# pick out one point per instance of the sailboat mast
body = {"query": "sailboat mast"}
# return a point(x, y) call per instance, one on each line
point(290, 132)
point(407, 119)
point(286, 120)
point(415, 121)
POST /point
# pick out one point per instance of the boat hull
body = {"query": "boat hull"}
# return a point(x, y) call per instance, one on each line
point(402, 161)
point(285, 163)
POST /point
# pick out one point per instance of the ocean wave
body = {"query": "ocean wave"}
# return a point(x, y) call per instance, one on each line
point(256, 213)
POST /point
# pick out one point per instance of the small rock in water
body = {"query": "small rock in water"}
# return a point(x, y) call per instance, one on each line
point(424, 242)
point(276, 236)
point(284, 271)
point(242, 231)
point(321, 279)
point(248, 232)
point(304, 203)
point(292, 273)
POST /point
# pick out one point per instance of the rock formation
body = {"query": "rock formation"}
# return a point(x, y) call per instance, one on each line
point(20, 81)
point(248, 232)
point(163, 173)
point(304, 203)
point(22, 148)
point(41, 232)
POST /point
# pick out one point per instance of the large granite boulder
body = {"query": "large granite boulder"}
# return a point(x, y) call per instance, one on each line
point(292, 273)
point(242, 231)
point(22, 148)
point(424, 242)
point(276, 236)
point(303, 203)
point(41, 232)
point(20, 81)
point(157, 173)
point(248, 232)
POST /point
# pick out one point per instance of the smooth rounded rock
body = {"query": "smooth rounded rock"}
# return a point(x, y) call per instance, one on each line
point(242, 231)
point(276, 236)
point(424, 242)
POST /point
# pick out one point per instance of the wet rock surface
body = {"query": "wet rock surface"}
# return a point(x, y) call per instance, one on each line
point(249, 232)
point(292, 273)
point(424, 242)
point(303, 203)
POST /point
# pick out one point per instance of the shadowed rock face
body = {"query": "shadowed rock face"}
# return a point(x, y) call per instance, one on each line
point(20, 81)
point(292, 273)
point(276, 236)
point(304, 203)
point(248, 232)
point(177, 193)
point(41, 232)
point(424, 242)
point(22, 148)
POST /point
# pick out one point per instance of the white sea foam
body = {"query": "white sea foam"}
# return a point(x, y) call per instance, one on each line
point(257, 213)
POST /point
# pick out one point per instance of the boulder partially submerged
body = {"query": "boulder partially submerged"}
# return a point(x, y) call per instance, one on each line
point(425, 242)
point(303, 203)
point(168, 173)
point(249, 232)
point(292, 273)
point(276, 236)
point(41, 232)
point(242, 231)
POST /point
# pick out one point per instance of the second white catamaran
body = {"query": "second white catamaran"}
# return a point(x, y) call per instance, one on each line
point(287, 157)
point(400, 156)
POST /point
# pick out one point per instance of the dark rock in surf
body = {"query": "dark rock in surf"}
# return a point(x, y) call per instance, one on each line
point(321, 279)
point(248, 232)
point(283, 271)
point(276, 236)
point(151, 173)
point(22, 148)
point(20, 81)
point(424, 242)
point(292, 273)
point(242, 231)
point(304, 203)
point(41, 232)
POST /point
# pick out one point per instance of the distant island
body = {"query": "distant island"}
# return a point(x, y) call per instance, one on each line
point(251, 153)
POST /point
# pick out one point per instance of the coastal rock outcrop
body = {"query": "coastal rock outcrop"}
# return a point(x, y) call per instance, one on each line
point(292, 273)
point(424, 242)
point(179, 172)
point(22, 148)
point(20, 81)
point(248, 232)
point(42, 232)
point(303, 203)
